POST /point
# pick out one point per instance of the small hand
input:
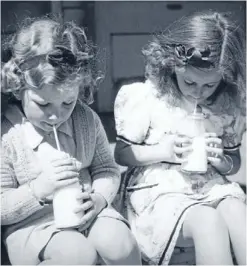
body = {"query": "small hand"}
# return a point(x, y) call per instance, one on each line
point(59, 172)
point(182, 146)
point(91, 205)
point(215, 149)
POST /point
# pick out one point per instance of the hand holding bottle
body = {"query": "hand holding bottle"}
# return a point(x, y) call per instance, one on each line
point(60, 172)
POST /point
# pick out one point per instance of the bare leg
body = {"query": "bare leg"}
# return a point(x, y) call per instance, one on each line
point(233, 212)
point(69, 248)
point(114, 242)
point(210, 235)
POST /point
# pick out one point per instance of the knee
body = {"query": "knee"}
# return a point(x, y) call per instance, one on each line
point(116, 242)
point(202, 220)
point(73, 249)
point(123, 245)
point(232, 207)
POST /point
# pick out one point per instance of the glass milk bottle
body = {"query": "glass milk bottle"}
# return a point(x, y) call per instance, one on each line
point(64, 204)
point(196, 159)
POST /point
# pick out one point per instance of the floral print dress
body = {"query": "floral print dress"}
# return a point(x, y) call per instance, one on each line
point(157, 197)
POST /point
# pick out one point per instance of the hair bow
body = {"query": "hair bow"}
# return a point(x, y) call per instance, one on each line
point(194, 56)
point(61, 56)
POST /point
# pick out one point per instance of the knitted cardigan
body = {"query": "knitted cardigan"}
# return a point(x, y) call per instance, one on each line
point(99, 171)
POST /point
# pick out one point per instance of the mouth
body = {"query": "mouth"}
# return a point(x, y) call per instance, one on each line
point(197, 99)
point(50, 126)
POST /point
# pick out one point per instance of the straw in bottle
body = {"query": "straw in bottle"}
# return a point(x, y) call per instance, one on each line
point(56, 137)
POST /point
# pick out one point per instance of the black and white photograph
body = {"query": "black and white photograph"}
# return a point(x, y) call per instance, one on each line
point(123, 133)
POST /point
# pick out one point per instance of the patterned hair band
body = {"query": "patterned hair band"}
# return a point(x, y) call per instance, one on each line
point(194, 56)
point(60, 57)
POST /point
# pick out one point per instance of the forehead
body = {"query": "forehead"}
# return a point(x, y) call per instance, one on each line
point(200, 75)
point(51, 93)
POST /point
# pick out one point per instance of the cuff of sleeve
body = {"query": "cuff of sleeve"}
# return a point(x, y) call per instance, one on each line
point(23, 205)
point(32, 201)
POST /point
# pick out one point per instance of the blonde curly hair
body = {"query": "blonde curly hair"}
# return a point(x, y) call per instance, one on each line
point(45, 51)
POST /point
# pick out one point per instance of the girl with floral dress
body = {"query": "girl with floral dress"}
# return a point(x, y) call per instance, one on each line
point(199, 59)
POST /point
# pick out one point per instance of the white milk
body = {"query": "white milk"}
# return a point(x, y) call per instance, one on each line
point(197, 159)
point(64, 203)
point(193, 127)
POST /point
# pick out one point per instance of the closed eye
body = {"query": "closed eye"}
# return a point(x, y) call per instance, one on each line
point(67, 104)
point(211, 85)
point(42, 104)
point(190, 83)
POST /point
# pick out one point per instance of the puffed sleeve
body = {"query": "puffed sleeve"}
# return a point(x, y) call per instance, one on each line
point(132, 113)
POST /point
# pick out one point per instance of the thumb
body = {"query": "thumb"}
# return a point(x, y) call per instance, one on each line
point(78, 165)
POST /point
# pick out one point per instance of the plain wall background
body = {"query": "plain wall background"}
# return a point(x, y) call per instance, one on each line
point(136, 17)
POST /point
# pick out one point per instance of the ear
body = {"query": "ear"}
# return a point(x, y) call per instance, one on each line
point(179, 70)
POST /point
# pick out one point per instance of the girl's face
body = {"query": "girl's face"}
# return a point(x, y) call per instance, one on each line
point(49, 105)
point(197, 84)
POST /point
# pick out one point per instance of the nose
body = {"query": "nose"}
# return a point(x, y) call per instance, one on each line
point(197, 92)
point(53, 117)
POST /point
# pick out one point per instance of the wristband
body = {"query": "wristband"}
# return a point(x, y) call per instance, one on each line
point(231, 167)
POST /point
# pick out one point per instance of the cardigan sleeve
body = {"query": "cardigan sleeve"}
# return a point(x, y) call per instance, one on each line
point(103, 169)
point(17, 202)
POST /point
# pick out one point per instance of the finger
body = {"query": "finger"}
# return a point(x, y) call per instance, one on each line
point(59, 155)
point(214, 160)
point(182, 140)
point(67, 182)
point(213, 141)
point(182, 144)
point(88, 216)
point(83, 196)
point(210, 135)
point(68, 162)
point(65, 168)
point(181, 150)
point(84, 207)
point(85, 226)
point(180, 159)
point(217, 151)
point(78, 165)
point(62, 161)
point(67, 175)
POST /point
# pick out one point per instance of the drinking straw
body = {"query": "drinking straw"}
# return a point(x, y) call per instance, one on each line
point(195, 107)
point(56, 138)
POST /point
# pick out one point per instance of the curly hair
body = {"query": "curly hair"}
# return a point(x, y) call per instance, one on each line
point(45, 51)
point(201, 30)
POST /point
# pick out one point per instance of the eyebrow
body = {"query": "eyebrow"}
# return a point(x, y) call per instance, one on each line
point(71, 99)
point(211, 82)
point(37, 98)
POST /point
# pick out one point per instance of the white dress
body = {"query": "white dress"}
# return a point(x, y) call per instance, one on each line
point(156, 197)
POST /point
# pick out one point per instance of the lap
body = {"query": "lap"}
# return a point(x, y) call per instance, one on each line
point(66, 242)
point(231, 205)
point(202, 216)
point(108, 230)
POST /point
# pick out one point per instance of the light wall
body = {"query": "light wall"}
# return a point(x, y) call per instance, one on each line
point(128, 17)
